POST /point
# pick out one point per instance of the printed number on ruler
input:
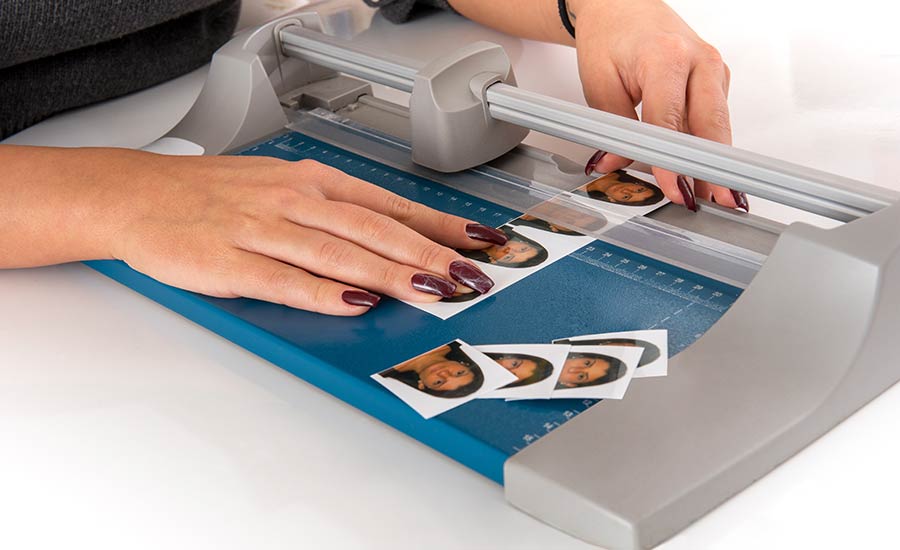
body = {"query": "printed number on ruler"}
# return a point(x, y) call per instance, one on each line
point(606, 257)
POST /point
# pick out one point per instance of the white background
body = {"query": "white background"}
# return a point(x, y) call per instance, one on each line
point(124, 425)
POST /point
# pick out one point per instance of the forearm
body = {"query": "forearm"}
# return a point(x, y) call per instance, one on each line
point(534, 19)
point(56, 205)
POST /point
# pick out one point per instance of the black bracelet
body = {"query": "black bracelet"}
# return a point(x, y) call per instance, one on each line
point(564, 16)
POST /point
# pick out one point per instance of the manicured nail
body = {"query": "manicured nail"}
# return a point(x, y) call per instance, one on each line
point(360, 298)
point(423, 282)
point(687, 193)
point(593, 162)
point(486, 233)
point(740, 199)
point(467, 274)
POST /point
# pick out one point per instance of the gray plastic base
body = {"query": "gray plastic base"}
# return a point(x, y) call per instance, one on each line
point(813, 339)
point(239, 101)
point(331, 94)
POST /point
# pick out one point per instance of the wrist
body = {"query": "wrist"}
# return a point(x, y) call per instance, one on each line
point(567, 17)
point(576, 7)
point(97, 193)
point(127, 193)
point(575, 11)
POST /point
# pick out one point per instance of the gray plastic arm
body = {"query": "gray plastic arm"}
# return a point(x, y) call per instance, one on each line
point(451, 127)
point(239, 101)
point(813, 339)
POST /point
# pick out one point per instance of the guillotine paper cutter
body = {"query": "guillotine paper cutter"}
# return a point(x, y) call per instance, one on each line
point(778, 333)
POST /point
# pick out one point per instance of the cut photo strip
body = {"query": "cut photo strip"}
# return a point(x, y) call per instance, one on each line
point(535, 366)
point(597, 372)
point(533, 245)
point(654, 343)
point(621, 195)
point(591, 366)
point(444, 378)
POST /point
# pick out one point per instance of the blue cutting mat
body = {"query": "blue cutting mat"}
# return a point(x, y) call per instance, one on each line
point(600, 288)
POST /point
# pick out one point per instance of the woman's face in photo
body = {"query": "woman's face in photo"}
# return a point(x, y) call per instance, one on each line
point(445, 376)
point(513, 252)
point(650, 352)
point(622, 192)
point(522, 368)
point(580, 370)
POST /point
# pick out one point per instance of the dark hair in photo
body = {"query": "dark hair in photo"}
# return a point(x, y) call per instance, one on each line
point(543, 370)
point(617, 369)
point(457, 355)
point(628, 178)
point(482, 256)
point(544, 225)
point(651, 352)
point(461, 297)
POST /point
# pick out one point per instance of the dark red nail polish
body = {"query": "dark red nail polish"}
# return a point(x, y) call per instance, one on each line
point(430, 284)
point(360, 298)
point(687, 193)
point(593, 162)
point(740, 199)
point(467, 274)
point(486, 233)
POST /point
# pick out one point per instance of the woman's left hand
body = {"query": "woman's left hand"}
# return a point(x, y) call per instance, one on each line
point(640, 51)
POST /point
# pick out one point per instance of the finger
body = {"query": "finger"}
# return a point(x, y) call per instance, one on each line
point(703, 190)
point(664, 92)
point(376, 232)
point(604, 90)
point(329, 256)
point(709, 118)
point(264, 278)
point(452, 231)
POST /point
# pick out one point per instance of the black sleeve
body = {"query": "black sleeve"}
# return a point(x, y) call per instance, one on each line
point(400, 11)
point(32, 29)
point(70, 59)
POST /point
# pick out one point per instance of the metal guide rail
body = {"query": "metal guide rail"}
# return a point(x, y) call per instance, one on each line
point(812, 190)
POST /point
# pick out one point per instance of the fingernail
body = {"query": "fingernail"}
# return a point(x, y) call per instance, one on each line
point(592, 163)
point(423, 282)
point(467, 274)
point(486, 233)
point(740, 199)
point(687, 193)
point(360, 298)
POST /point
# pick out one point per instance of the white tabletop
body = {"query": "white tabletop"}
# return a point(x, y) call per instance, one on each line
point(124, 425)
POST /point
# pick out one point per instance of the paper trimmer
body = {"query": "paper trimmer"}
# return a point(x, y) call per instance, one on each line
point(778, 333)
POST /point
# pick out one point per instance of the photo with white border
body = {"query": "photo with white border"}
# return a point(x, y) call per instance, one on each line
point(535, 366)
point(444, 378)
point(654, 343)
point(529, 250)
point(597, 372)
point(621, 195)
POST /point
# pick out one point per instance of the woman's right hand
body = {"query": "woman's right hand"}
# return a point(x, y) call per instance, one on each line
point(295, 233)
